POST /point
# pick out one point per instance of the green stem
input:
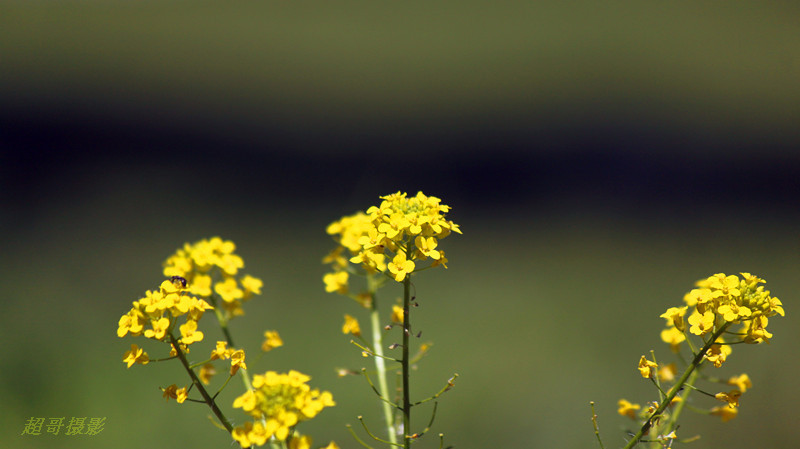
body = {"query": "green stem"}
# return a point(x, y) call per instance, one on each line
point(206, 397)
point(676, 413)
point(698, 359)
point(380, 366)
point(404, 362)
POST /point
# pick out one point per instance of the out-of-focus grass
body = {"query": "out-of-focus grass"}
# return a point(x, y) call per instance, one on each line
point(539, 314)
point(723, 74)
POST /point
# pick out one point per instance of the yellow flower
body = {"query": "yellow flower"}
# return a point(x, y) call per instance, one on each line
point(397, 314)
point(351, 326)
point(201, 285)
point(230, 263)
point(132, 322)
point(181, 394)
point(731, 397)
point(251, 433)
point(172, 391)
point(300, 442)
point(742, 382)
point(674, 317)
point(221, 351)
point(757, 330)
point(197, 307)
point(189, 332)
point(252, 285)
point(726, 413)
point(442, 260)
point(718, 353)
point(272, 341)
point(135, 355)
point(627, 408)
point(246, 402)
point(280, 400)
point(400, 267)
point(426, 247)
point(336, 282)
point(237, 361)
point(647, 368)
point(702, 323)
point(732, 312)
point(159, 330)
point(697, 296)
point(229, 290)
point(723, 286)
point(674, 337)
point(667, 373)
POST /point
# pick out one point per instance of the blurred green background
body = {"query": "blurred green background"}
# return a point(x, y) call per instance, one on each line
point(600, 159)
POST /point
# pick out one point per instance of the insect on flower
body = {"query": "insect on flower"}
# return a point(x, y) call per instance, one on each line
point(179, 280)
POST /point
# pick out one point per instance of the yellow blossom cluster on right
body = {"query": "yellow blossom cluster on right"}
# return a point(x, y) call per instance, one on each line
point(277, 403)
point(718, 300)
point(390, 238)
point(719, 303)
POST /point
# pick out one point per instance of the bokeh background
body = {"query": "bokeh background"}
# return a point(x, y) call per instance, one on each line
point(600, 159)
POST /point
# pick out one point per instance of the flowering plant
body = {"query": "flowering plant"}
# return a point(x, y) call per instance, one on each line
point(388, 243)
point(724, 310)
point(209, 269)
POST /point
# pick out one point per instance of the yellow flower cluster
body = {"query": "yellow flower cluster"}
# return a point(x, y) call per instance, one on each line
point(156, 315)
point(393, 236)
point(210, 266)
point(718, 303)
point(277, 403)
point(720, 300)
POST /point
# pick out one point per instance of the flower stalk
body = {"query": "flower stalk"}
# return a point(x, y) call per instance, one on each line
point(405, 364)
point(199, 385)
point(679, 385)
point(380, 366)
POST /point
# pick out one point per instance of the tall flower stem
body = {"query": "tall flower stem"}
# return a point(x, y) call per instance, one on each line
point(406, 373)
point(206, 397)
point(380, 364)
point(698, 359)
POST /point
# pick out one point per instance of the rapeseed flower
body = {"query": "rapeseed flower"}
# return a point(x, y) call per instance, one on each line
point(160, 309)
point(209, 267)
point(136, 355)
point(723, 300)
point(647, 368)
point(391, 238)
point(272, 340)
point(722, 310)
point(741, 382)
point(726, 413)
point(351, 326)
point(277, 403)
point(627, 408)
